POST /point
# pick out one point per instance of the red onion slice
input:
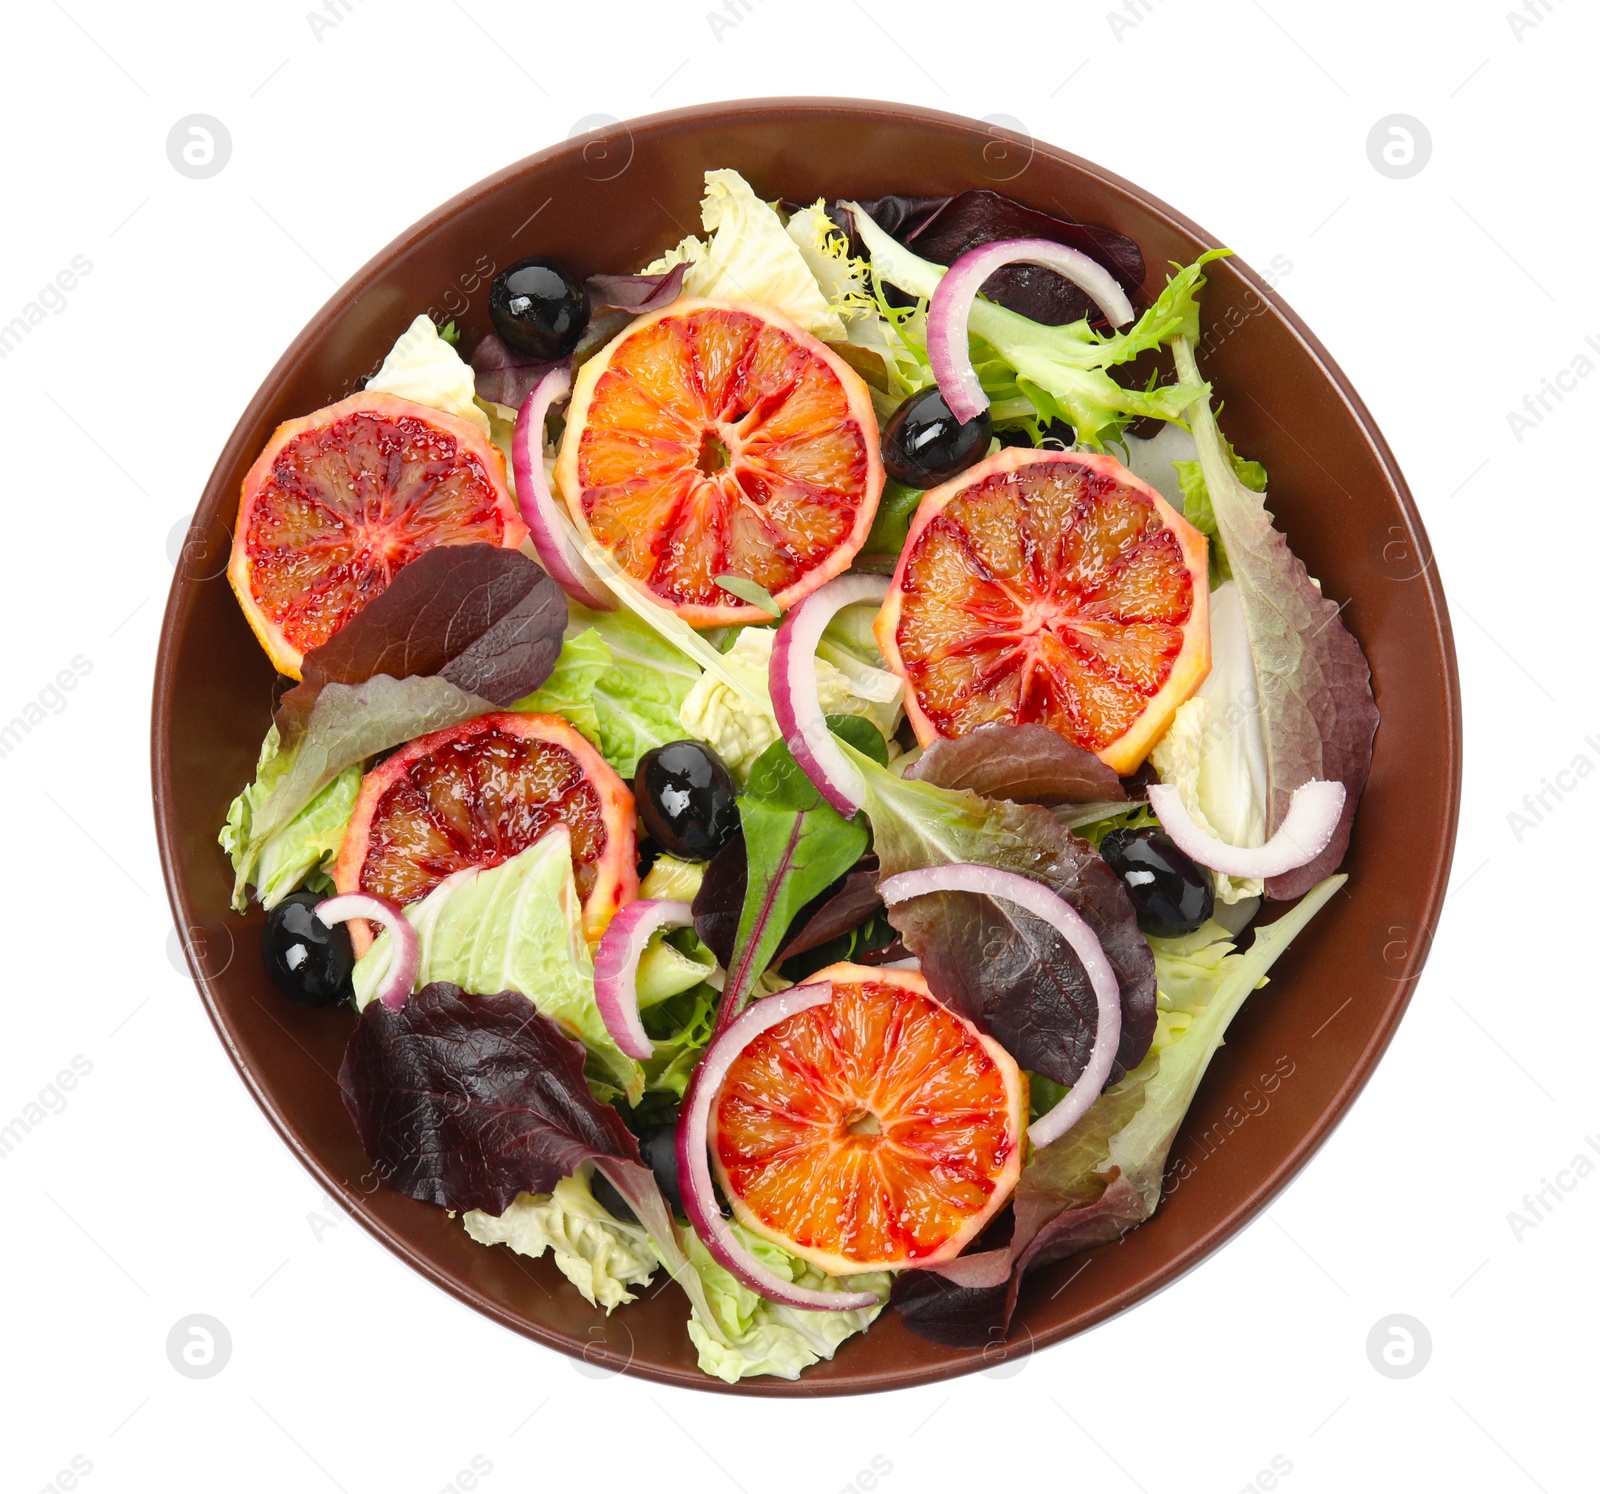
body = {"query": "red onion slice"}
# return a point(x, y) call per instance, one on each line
point(694, 1167)
point(547, 525)
point(405, 947)
point(1313, 816)
point(1036, 898)
point(792, 684)
point(952, 302)
point(616, 968)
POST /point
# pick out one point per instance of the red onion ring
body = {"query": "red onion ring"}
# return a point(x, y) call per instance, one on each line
point(694, 1167)
point(1313, 816)
point(616, 967)
point(792, 683)
point(952, 302)
point(547, 525)
point(1039, 900)
point(406, 948)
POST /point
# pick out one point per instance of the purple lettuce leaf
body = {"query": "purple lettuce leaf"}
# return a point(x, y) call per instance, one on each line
point(918, 824)
point(1027, 764)
point(467, 1101)
point(487, 620)
point(1007, 971)
point(1313, 681)
point(1105, 1175)
point(504, 376)
point(845, 905)
point(635, 294)
point(943, 229)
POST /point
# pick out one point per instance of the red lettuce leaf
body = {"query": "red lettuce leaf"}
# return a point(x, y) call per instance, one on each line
point(917, 824)
point(467, 1101)
point(845, 905)
point(1105, 1175)
point(485, 619)
point(504, 376)
point(1312, 679)
point(943, 229)
point(720, 899)
point(1027, 764)
point(636, 294)
point(1007, 971)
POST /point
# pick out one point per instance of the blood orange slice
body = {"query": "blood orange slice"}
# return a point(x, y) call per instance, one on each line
point(476, 795)
point(1049, 587)
point(716, 438)
point(877, 1131)
point(342, 498)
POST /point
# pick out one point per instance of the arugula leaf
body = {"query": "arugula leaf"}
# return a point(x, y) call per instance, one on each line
point(890, 526)
point(749, 591)
point(796, 846)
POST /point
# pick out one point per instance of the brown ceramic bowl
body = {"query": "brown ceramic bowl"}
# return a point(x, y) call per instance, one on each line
point(610, 204)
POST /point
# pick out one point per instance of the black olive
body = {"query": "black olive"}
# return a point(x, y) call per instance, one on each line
point(538, 309)
point(1172, 893)
point(658, 1145)
point(308, 961)
point(606, 1195)
point(685, 794)
point(924, 443)
point(1056, 430)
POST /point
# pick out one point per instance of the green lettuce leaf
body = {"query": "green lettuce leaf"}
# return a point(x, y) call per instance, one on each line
point(1197, 505)
point(1312, 684)
point(515, 927)
point(752, 1336)
point(620, 683)
point(1105, 1175)
point(1063, 370)
point(288, 858)
point(348, 724)
point(600, 1255)
point(569, 692)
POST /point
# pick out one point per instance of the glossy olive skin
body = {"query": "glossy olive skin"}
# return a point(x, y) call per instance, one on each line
point(1056, 430)
point(538, 308)
point(308, 961)
point(924, 444)
point(658, 1147)
point(684, 794)
point(1172, 893)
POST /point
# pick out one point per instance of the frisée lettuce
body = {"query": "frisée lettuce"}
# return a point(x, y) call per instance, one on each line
point(603, 1257)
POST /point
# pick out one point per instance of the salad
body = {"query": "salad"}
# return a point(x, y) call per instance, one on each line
point(795, 756)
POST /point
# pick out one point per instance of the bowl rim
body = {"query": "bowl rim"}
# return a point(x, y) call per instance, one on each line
point(1264, 1191)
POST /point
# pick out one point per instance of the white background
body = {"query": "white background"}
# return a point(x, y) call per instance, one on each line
point(159, 1190)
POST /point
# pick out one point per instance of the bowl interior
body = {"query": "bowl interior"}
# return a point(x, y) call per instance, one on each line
point(610, 203)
